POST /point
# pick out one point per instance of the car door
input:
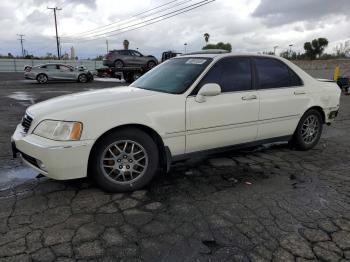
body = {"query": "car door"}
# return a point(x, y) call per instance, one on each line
point(138, 59)
point(67, 72)
point(52, 71)
point(126, 57)
point(228, 118)
point(283, 98)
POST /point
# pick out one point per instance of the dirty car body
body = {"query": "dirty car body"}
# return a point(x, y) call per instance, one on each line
point(186, 106)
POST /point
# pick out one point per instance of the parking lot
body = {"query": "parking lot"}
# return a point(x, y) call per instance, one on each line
point(267, 203)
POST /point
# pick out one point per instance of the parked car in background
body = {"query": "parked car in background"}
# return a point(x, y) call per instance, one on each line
point(188, 105)
point(125, 58)
point(46, 72)
point(169, 54)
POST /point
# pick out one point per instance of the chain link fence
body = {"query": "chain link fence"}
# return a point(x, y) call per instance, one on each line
point(17, 65)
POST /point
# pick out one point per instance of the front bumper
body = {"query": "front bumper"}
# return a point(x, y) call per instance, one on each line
point(29, 75)
point(55, 159)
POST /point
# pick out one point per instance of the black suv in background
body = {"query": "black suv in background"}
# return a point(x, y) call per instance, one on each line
point(125, 58)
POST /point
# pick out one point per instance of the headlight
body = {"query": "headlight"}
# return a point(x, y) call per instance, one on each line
point(59, 130)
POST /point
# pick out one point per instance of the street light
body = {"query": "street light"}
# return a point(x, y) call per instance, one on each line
point(185, 44)
point(274, 49)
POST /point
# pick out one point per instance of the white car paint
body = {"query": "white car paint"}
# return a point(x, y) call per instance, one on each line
point(184, 124)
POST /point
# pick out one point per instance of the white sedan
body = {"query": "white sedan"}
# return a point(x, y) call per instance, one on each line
point(188, 105)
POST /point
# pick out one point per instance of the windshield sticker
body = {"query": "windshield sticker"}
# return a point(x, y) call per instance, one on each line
point(196, 61)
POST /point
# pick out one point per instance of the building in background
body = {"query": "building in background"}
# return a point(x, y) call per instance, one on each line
point(72, 53)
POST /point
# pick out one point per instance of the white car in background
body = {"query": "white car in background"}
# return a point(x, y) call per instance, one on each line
point(185, 106)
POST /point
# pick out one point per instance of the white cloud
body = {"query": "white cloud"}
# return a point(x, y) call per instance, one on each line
point(249, 25)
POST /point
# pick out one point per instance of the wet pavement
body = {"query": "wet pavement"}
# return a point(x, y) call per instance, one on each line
point(268, 203)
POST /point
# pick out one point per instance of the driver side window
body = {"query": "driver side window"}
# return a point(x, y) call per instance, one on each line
point(231, 73)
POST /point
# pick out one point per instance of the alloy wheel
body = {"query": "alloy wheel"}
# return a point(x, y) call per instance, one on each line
point(82, 78)
point(310, 129)
point(42, 79)
point(124, 161)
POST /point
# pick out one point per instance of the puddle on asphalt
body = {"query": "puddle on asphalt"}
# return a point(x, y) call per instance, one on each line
point(12, 176)
point(24, 98)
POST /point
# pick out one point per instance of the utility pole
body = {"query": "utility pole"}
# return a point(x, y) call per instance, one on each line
point(57, 42)
point(107, 45)
point(21, 39)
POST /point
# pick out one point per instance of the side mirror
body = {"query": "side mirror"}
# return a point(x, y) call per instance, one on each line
point(209, 89)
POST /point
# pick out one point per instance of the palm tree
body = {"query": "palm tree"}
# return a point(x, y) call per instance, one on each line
point(126, 44)
point(206, 38)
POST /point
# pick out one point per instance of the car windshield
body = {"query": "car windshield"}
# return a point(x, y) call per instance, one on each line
point(174, 76)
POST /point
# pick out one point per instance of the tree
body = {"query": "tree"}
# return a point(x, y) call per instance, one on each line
point(219, 45)
point(291, 55)
point(206, 38)
point(315, 48)
point(126, 44)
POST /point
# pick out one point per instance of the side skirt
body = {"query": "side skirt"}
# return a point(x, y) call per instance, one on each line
point(172, 159)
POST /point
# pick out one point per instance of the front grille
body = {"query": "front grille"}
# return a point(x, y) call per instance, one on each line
point(26, 122)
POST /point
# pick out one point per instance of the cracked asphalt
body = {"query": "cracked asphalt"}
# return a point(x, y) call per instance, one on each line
point(267, 203)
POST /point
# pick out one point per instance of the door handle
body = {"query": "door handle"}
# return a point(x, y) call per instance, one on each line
point(299, 93)
point(250, 97)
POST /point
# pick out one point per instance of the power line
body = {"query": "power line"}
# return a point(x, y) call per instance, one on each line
point(125, 21)
point(21, 40)
point(57, 41)
point(148, 22)
point(142, 22)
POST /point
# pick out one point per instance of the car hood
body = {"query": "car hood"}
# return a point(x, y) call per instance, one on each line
point(89, 100)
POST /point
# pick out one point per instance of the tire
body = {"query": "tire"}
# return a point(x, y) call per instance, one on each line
point(136, 76)
point(42, 79)
point(128, 77)
point(83, 78)
point(118, 64)
point(151, 64)
point(308, 131)
point(115, 170)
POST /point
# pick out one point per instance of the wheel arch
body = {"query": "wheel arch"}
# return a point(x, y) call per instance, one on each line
point(41, 73)
point(320, 110)
point(164, 153)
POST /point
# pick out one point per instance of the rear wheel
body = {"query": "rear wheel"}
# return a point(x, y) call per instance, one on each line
point(42, 78)
point(308, 131)
point(118, 64)
point(124, 160)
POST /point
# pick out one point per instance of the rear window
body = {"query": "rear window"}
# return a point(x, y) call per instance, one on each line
point(273, 73)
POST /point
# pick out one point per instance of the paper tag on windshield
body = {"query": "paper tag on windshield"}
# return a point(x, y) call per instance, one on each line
point(195, 61)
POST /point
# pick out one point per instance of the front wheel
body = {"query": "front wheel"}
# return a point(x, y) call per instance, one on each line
point(308, 131)
point(151, 64)
point(42, 78)
point(124, 160)
point(82, 78)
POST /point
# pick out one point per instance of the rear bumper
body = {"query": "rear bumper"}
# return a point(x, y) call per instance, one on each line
point(107, 63)
point(55, 159)
point(331, 113)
